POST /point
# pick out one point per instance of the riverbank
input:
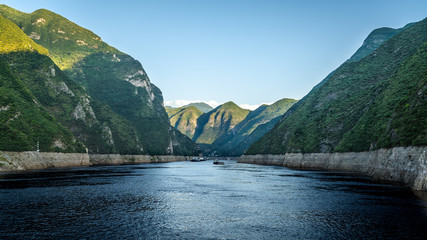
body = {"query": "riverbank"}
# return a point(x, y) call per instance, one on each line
point(32, 160)
point(406, 165)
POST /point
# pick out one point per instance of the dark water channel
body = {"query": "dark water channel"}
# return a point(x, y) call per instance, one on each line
point(199, 200)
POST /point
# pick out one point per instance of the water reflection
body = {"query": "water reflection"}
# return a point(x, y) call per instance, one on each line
point(198, 200)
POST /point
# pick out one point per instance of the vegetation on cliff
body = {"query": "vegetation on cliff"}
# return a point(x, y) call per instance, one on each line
point(67, 42)
point(93, 123)
point(227, 130)
point(24, 122)
point(184, 119)
point(213, 124)
point(235, 142)
point(12, 39)
point(109, 77)
point(376, 102)
point(204, 107)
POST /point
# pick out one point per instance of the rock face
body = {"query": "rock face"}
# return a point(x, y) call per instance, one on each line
point(25, 123)
point(68, 104)
point(376, 102)
point(139, 123)
point(400, 164)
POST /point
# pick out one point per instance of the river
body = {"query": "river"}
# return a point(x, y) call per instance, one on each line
point(199, 200)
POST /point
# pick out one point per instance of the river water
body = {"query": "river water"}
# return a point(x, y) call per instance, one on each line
point(199, 200)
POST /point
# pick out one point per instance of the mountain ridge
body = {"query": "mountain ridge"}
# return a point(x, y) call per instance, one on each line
point(218, 121)
point(324, 119)
point(235, 142)
point(204, 107)
point(184, 119)
point(102, 71)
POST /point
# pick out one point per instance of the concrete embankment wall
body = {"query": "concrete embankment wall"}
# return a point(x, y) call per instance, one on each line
point(111, 159)
point(17, 161)
point(400, 164)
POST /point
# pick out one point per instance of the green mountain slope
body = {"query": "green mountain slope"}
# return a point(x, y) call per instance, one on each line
point(234, 143)
point(24, 121)
point(374, 40)
point(107, 75)
point(201, 106)
point(242, 146)
point(67, 42)
point(359, 107)
point(213, 124)
point(72, 107)
point(12, 39)
point(184, 119)
point(93, 123)
point(399, 116)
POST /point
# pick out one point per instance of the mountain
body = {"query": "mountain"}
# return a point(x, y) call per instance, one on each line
point(13, 39)
point(184, 119)
point(374, 40)
point(213, 124)
point(24, 122)
point(379, 101)
point(108, 76)
point(235, 142)
point(204, 107)
point(227, 130)
point(92, 123)
point(67, 42)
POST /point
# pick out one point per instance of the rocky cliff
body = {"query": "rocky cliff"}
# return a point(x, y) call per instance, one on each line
point(109, 77)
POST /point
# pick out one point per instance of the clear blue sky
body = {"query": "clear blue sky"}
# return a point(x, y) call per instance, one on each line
point(246, 51)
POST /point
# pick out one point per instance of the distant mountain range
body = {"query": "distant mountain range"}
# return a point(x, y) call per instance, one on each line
point(99, 98)
point(227, 130)
point(204, 107)
point(375, 100)
point(65, 90)
point(184, 119)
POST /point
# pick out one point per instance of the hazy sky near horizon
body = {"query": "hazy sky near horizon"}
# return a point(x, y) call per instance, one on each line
point(246, 51)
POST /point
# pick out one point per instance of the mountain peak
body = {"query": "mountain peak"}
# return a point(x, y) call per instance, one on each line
point(374, 40)
point(204, 107)
point(13, 39)
point(68, 43)
point(229, 105)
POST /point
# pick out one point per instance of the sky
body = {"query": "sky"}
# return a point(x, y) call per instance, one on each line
point(246, 51)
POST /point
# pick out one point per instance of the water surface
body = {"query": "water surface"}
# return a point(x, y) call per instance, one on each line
point(199, 200)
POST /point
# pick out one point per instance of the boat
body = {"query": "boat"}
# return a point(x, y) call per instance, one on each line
point(218, 162)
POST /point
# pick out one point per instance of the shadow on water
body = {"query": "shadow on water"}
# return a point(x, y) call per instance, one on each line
point(60, 177)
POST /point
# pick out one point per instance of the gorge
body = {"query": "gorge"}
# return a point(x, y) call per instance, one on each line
point(64, 90)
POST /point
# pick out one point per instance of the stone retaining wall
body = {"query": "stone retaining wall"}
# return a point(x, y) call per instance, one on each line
point(400, 164)
point(17, 161)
